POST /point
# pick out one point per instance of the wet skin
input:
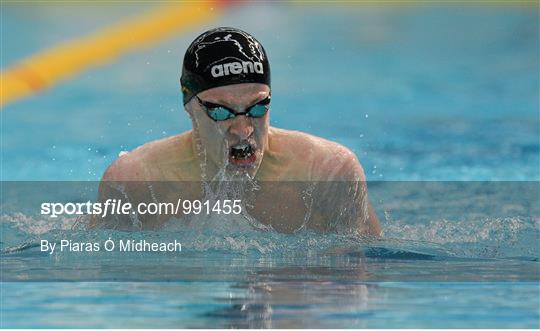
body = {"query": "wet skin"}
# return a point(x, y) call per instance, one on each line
point(276, 156)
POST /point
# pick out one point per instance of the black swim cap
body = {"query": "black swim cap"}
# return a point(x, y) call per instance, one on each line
point(223, 56)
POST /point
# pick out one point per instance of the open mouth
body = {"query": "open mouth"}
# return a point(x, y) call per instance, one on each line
point(242, 154)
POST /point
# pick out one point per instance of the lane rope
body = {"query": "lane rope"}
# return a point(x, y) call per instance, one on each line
point(61, 62)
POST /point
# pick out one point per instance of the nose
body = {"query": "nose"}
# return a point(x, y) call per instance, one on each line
point(241, 127)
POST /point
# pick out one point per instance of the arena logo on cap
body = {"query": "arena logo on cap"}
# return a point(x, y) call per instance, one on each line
point(236, 68)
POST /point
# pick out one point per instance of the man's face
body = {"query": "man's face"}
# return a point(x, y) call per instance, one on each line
point(237, 144)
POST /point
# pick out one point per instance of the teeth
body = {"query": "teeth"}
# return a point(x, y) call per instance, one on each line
point(241, 146)
point(241, 151)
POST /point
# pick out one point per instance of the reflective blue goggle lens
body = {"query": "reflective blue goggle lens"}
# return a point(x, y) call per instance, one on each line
point(258, 110)
point(220, 114)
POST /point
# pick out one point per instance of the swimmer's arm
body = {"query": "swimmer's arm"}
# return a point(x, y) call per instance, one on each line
point(122, 171)
point(352, 171)
point(372, 226)
point(125, 169)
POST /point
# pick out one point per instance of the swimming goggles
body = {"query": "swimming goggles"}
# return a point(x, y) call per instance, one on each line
point(223, 113)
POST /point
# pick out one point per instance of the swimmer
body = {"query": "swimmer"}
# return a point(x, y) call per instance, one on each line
point(226, 93)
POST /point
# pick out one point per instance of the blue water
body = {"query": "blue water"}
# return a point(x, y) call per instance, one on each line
point(419, 93)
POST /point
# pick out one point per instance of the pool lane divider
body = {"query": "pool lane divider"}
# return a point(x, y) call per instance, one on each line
point(61, 62)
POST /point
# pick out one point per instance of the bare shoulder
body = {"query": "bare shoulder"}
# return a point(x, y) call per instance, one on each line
point(326, 159)
point(151, 160)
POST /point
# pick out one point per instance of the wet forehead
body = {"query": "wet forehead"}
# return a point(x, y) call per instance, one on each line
point(238, 95)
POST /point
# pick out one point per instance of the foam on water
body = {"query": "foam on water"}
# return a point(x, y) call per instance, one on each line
point(506, 238)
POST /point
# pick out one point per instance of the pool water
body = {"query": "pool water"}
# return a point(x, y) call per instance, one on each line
point(439, 103)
